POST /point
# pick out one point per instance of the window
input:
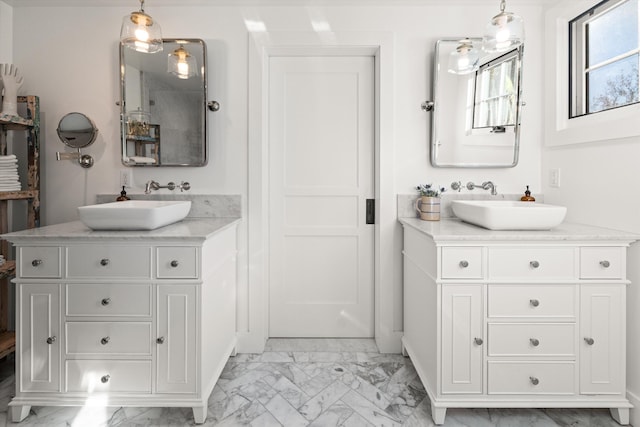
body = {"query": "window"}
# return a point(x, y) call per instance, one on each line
point(604, 55)
point(496, 93)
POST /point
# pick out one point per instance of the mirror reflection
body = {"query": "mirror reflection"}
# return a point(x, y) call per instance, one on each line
point(77, 130)
point(163, 105)
point(476, 111)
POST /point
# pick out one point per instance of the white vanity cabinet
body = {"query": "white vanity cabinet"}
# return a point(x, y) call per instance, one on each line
point(516, 319)
point(131, 318)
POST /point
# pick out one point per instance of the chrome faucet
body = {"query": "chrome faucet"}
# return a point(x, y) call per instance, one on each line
point(487, 185)
point(155, 185)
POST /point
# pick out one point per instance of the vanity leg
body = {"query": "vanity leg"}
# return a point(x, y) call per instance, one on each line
point(621, 415)
point(438, 413)
point(19, 413)
point(200, 414)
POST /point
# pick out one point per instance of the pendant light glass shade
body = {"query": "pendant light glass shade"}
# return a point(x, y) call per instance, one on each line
point(505, 31)
point(182, 64)
point(140, 32)
point(464, 59)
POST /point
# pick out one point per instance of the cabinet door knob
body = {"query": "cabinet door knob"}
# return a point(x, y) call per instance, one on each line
point(589, 340)
point(160, 340)
point(534, 342)
point(51, 340)
point(534, 264)
point(105, 378)
point(534, 302)
point(174, 263)
point(105, 340)
point(534, 380)
point(105, 301)
point(464, 263)
point(104, 262)
point(36, 262)
point(478, 341)
point(605, 264)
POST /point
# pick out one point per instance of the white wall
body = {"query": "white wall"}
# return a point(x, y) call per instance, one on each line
point(69, 57)
point(6, 30)
point(598, 179)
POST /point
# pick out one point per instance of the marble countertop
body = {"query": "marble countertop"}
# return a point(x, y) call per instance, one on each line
point(196, 230)
point(454, 229)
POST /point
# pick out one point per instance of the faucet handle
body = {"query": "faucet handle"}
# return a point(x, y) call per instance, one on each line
point(456, 185)
point(184, 186)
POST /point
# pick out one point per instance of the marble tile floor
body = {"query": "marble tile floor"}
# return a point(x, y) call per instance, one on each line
point(308, 382)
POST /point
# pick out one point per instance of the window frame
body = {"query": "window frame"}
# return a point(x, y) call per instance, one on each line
point(578, 68)
point(617, 123)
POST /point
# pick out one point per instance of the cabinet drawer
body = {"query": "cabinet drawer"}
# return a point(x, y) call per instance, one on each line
point(602, 263)
point(537, 301)
point(109, 300)
point(40, 262)
point(177, 262)
point(531, 339)
point(531, 378)
point(532, 263)
point(121, 338)
point(99, 376)
point(95, 261)
point(462, 263)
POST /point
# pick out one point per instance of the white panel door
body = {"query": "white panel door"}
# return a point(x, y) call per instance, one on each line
point(321, 145)
point(602, 332)
point(462, 339)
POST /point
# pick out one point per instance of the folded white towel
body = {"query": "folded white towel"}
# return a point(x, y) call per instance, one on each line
point(140, 159)
point(8, 156)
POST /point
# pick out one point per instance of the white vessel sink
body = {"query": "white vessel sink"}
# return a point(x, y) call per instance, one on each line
point(133, 214)
point(509, 215)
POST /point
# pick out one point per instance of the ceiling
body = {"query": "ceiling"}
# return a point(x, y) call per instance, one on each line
point(135, 3)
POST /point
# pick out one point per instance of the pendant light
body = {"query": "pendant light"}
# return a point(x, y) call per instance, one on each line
point(182, 64)
point(464, 59)
point(505, 31)
point(140, 32)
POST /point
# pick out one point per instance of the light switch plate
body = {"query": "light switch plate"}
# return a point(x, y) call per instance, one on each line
point(554, 178)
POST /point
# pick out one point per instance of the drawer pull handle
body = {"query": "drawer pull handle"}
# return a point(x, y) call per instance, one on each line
point(534, 342)
point(478, 341)
point(105, 378)
point(589, 341)
point(160, 340)
point(36, 262)
point(51, 340)
point(105, 301)
point(534, 302)
point(534, 380)
point(174, 263)
point(104, 262)
point(605, 264)
point(534, 264)
point(464, 263)
point(105, 340)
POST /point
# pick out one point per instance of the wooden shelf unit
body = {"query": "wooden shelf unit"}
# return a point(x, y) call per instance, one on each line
point(30, 125)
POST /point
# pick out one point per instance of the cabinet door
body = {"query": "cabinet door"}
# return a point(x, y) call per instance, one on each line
point(602, 333)
point(39, 337)
point(462, 339)
point(177, 338)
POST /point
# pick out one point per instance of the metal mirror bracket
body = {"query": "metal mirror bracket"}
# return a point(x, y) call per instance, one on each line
point(77, 131)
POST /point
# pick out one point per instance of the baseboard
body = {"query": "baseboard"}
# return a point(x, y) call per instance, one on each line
point(250, 342)
point(634, 413)
point(391, 343)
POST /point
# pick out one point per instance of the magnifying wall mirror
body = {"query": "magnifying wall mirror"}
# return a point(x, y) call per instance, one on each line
point(163, 105)
point(475, 114)
point(77, 131)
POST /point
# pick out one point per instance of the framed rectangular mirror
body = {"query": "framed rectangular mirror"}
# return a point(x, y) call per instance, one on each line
point(163, 105)
point(475, 117)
